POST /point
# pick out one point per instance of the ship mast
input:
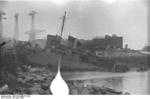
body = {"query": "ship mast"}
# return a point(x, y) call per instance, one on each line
point(58, 81)
point(63, 23)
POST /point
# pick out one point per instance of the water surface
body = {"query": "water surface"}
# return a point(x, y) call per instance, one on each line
point(137, 83)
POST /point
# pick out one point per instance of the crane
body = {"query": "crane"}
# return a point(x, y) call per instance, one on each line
point(33, 32)
point(16, 34)
point(1, 23)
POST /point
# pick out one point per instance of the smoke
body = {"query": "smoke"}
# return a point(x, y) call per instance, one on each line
point(3, 4)
point(145, 3)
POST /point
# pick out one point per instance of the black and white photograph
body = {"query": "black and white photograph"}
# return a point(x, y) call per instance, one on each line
point(74, 47)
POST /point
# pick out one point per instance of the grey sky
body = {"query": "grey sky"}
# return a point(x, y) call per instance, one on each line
point(85, 19)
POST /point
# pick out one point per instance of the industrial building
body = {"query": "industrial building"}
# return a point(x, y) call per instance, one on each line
point(85, 46)
point(108, 42)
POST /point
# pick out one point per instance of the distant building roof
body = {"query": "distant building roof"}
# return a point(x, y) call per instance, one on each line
point(71, 38)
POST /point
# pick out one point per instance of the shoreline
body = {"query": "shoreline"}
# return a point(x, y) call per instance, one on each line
point(38, 81)
point(79, 88)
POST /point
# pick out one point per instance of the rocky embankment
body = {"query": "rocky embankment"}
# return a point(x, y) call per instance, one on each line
point(79, 88)
point(33, 81)
point(36, 81)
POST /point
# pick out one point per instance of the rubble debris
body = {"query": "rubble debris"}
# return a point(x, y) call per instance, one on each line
point(4, 88)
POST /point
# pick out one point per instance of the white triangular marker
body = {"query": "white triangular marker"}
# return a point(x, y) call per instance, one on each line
point(58, 85)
